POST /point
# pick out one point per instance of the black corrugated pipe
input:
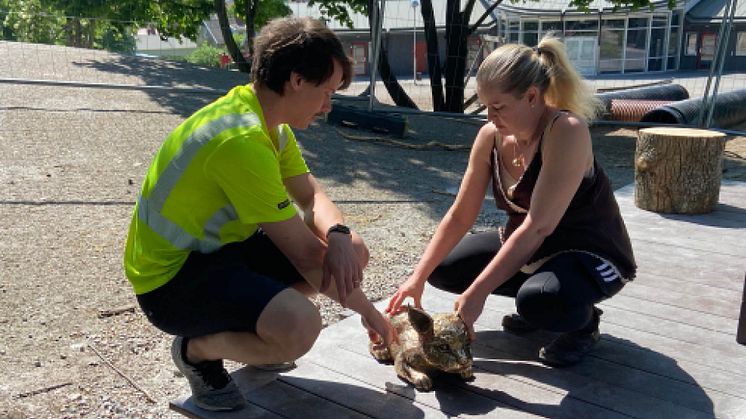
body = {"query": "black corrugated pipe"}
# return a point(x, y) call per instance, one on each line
point(729, 111)
point(671, 92)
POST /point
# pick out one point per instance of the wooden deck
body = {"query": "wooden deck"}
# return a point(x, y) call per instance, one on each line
point(668, 347)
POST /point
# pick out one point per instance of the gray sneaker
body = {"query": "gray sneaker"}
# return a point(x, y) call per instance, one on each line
point(212, 387)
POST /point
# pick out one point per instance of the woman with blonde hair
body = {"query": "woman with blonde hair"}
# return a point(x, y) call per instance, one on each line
point(565, 247)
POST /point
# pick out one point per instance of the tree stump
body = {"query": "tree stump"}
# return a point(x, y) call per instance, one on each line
point(678, 170)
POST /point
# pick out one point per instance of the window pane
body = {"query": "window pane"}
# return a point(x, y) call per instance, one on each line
point(531, 25)
point(612, 44)
point(613, 23)
point(741, 43)
point(655, 64)
point(673, 43)
point(691, 43)
point(634, 66)
point(610, 66)
point(553, 27)
point(638, 22)
point(657, 36)
point(531, 38)
point(581, 25)
point(636, 43)
point(659, 21)
point(671, 63)
point(674, 19)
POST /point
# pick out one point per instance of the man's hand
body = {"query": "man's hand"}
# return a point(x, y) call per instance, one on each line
point(341, 263)
point(380, 330)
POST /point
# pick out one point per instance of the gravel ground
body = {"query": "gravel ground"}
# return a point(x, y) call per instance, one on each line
point(71, 163)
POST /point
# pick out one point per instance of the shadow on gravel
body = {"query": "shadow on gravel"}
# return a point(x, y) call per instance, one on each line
point(418, 170)
point(414, 168)
point(201, 85)
point(399, 174)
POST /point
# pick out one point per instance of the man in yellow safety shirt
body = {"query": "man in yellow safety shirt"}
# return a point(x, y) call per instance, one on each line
point(217, 253)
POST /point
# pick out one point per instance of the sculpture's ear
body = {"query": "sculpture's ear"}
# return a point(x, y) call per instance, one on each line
point(421, 321)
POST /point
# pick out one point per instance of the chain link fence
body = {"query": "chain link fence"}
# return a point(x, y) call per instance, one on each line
point(138, 58)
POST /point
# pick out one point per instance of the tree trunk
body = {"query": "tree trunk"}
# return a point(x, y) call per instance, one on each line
point(90, 33)
point(433, 55)
point(230, 43)
point(397, 93)
point(251, 9)
point(73, 32)
point(457, 47)
point(457, 50)
point(678, 170)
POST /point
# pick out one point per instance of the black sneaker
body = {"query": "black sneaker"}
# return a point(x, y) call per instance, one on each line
point(570, 348)
point(515, 323)
point(212, 387)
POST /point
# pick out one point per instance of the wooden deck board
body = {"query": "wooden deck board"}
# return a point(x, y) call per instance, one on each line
point(668, 346)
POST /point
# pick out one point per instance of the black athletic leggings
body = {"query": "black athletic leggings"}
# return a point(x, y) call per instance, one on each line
point(558, 297)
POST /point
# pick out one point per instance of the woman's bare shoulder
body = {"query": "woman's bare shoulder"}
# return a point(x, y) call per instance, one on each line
point(486, 135)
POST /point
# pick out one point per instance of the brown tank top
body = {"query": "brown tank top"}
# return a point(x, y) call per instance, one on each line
point(592, 222)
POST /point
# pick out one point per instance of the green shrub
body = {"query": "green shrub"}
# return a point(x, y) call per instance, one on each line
point(206, 55)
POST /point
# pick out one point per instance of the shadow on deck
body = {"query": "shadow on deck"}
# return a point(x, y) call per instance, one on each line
point(668, 346)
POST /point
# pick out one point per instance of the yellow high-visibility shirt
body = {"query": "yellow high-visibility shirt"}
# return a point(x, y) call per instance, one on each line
point(215, 178)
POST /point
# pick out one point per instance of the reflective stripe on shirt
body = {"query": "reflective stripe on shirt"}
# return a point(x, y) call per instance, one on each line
point(149, 209)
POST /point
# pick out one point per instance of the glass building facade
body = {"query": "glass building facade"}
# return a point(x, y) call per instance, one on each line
point(604, 42)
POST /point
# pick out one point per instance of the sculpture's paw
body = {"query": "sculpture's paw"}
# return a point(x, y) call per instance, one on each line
point(423, 383)
point(382, 355)
point(467, 374)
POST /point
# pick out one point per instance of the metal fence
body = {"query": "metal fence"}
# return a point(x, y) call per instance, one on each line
point(54, 63)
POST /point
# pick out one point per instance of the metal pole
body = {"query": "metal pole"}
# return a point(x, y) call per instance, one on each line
point(377, 22)
point(701, 119)
point(414, 4)
point(373, 62)
point(728, 24)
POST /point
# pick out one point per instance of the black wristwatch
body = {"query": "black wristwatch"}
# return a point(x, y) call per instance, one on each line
point(337, 228)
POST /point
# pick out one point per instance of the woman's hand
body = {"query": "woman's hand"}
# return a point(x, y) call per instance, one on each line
point(412, 287)
point(380, 330)
point(469, 308)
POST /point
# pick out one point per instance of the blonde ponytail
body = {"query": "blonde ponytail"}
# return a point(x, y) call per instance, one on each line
point(513, 68)
point(566, 89)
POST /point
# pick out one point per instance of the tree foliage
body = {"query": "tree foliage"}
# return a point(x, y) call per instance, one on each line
point(171, 18)
point(340, 10)
point(31, 21)
point(111, 24)
point(255, 14)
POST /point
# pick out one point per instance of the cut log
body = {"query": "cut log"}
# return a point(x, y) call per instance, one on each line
point(678, 170)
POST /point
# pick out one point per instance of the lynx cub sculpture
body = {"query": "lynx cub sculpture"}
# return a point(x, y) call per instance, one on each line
point(427, 345)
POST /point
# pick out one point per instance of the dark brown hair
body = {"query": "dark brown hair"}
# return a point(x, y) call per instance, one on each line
point(302, 45)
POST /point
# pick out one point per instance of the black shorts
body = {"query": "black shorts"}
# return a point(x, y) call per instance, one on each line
point(222, 291)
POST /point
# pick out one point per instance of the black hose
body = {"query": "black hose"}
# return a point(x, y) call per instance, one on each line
point(670, 91)
point(729, 111)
